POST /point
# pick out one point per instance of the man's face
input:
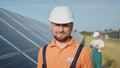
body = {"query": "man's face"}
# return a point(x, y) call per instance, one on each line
point(61, 32)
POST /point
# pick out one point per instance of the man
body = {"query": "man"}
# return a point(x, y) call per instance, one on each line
point(62, 49)
point(97, 46)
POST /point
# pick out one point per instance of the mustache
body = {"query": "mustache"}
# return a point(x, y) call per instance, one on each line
point(61, 32)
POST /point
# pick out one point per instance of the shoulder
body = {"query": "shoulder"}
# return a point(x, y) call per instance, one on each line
point(41, 48)
point(101, 41)
point(85, 50)
point(40, 51)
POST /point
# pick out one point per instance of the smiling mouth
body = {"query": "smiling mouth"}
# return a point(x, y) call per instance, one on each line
point(61, 33)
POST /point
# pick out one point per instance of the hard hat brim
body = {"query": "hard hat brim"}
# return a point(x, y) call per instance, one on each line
point(61, 22)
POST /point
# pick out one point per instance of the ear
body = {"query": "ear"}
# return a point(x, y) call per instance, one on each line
point(72, 24)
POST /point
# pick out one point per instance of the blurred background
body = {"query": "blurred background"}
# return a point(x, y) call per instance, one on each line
point(24, 28)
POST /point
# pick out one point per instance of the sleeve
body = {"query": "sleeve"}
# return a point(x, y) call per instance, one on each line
point(86, 59)
point(102, 44)
point(40, 62)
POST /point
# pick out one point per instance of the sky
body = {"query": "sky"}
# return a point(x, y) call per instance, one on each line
point(89, 15)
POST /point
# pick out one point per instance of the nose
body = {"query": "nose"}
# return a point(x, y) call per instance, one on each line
point(61, 28)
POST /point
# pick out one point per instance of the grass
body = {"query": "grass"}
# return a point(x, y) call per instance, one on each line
point(110, 54)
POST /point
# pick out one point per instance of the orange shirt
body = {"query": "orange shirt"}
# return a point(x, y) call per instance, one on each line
point(62, 58)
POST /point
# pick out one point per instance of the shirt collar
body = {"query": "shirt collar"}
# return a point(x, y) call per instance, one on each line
point(70, 43)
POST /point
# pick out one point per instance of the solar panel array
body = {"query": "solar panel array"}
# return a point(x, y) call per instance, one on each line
point(20, 40)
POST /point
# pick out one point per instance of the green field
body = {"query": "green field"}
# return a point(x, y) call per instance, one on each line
point(111, 53)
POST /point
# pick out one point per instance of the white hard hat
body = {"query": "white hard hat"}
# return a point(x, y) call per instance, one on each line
point(95, 34)
point(61, 15)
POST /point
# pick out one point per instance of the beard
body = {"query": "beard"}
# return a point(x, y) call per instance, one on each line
point(61, 39)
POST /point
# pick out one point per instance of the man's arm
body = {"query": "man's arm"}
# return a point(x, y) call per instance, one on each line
point(86, 58)
point(40, 62)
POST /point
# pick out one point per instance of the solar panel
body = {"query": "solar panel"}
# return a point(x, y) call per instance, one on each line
point(21, 38)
